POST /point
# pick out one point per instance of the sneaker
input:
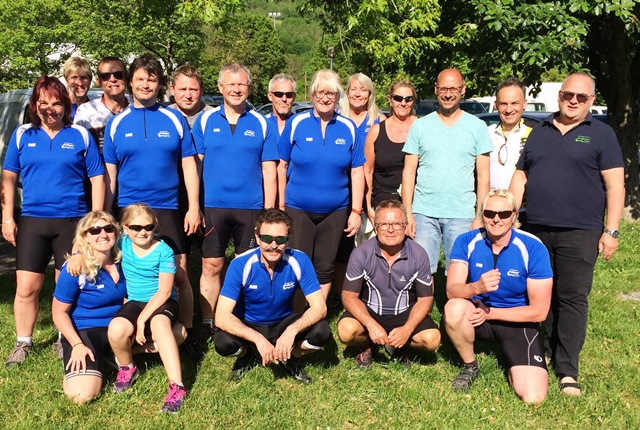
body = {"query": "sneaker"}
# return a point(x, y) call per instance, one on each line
point(173, 401)
point(365, 358)
point(401, 355)
point(465, 378)
point(294, 367)
point(57, 348)
point(19, 353)
point(242, 366)
point(191, 348)
point(125, 379)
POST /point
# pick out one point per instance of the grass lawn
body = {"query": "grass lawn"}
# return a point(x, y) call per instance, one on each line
point(387, 396)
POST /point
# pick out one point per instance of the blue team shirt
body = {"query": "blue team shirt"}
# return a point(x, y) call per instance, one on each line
point(93, 302)
point(273, 122)
point(524, 257)
point(147, 145)
point(260, 299)
point(232, 165)
point(319, 168)
point(143, 273)
point(52, 171)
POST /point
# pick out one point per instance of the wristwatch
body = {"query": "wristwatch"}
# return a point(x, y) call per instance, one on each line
point(614, 233)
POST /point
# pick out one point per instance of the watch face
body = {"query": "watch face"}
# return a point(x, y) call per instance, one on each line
point(613, 233)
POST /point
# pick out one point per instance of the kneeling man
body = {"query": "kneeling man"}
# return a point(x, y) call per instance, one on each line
point(388, 291)
point(499, 289)
point(255, 308)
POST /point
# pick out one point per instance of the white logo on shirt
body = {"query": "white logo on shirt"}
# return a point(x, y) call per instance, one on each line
point(128, 135)
point(479, 265)
point(216, 130)
point(250, 133)
point(68, 145)
point(253, 287)
point(341, 141)
point(513, 272)
point(309, 139)
point(31, 144)
point(288, 285)
point(100, 286)
point(402, 279)
point(164, 134)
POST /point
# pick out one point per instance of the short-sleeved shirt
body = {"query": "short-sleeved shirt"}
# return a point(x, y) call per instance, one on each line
point(389, 290)
point(232, 164)
point(191, 119)
point(505, 154)
point(564, 182)
point(143, 273)
point(52, 171)
point(319, 167)
point(147, 145)
point(93, 302)
point(524, 257)
point(273, 120)
point(446, 164)
point(261, 299)
point(94, 116)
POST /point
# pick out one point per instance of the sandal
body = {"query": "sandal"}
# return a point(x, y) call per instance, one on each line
point(570, 385)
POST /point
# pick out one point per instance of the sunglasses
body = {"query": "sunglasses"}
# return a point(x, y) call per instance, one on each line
point(137, 228)
point(107, 75)
point(492, 214)
point(280, 240)
point(94, 231)
point(280, 94)
point(397, 98)
point(568, 96)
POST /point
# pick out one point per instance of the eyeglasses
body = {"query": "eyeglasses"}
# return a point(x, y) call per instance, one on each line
point(94, 231)
point(568, 96)
point(328, 94)
point(119, 75)
point(137, 228)
point(452, 90)
point(384, 226)
point(280, 94)
point(280, 240)
point(492, 214)
point(399, 99)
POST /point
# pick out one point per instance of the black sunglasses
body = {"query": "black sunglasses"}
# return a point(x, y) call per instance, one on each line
point(280, 240)
point(279, 94)
point(568, 96)
point(107, 75)
point(492, 214)
point(148, 227)
point(399, 98)
point(94, 231)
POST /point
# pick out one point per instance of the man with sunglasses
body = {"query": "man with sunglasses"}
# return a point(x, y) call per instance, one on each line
point(388, 292)
point(255, 309)
point(282, 94)
point(573, 170)
point(499, 287)
point(112, 78)
point(443, 151)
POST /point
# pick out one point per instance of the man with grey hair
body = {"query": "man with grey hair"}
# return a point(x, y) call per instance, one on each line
point(238, 151)
point(282, 94)
point(573, 170)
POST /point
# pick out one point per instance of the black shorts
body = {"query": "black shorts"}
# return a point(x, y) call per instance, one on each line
point(132, 309)
point(389, 322)
point(520, 342)
point(222, 224)
point(317, 335)
point(171, 230)
point(96, 340)
point(39, 238)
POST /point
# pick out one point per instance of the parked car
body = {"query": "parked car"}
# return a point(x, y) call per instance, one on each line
point(426, 106)
point(531, 117)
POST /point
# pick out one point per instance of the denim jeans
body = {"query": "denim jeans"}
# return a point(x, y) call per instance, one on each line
point(432, 232)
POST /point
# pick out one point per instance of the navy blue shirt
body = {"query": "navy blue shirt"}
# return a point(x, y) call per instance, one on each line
point(564, 183)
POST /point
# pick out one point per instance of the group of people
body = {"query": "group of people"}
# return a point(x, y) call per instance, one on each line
point(296, 194)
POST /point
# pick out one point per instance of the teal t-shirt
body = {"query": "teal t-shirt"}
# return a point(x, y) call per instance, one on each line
point(142, 273)
point(447, 156)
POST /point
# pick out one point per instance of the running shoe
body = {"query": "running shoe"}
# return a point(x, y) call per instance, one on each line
point(465, 378)
point(294, 367)
point(125, 379)
point(174, 399)
point(19, 353)
point(242, 366)
point(365, 358)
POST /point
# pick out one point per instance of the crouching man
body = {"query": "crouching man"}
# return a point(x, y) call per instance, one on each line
point(499, 289)
point(255, 309)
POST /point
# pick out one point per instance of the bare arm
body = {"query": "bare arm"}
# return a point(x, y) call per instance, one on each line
point(357, 195)
point(482, 170)
point(270, 183)
point(614, 185)
point(7, 196)
point(79, 351)
point(282, 182)
point(97, 192)
point(358, 309)
point(399, 336)
point(110, 178)
point(408, 187)
point(517, 186)
point(192, 218)
point(369, 165)
point(165, 285)
point(315, 312)
point(539, 294)
point(457, 286)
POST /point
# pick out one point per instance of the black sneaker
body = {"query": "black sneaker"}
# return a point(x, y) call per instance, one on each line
point(365, 358)
point(191, 348)
point(401, 355)
point(242, 366)
point(465, 378)
point(294, 367)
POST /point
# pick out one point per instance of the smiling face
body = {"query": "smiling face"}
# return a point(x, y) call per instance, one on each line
point(497, 227)
point(112, 86)
point(187, 92)
point(142, 238)
point(510, 104)
point(358, 96)
point(50, 110)
point(79, 83)
point(103, 241)
point(391, 219)
point(144, 88)
point(401, 109)
point(572, 110)
point(271, 253)
point(234, 88)
point(450, 89)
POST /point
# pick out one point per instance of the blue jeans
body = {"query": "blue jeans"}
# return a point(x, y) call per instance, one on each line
point(432, 232)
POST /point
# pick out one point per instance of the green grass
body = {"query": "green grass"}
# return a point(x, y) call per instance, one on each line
point(342, 397)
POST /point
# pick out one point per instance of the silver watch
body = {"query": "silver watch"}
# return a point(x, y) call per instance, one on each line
point(614, 233)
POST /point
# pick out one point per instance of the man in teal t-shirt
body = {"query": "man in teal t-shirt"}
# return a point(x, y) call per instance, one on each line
point(443, 149)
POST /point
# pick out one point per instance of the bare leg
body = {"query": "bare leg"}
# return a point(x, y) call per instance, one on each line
point(167, 347)
point(185, 292)
point(25, 305)
point(210, 285)
point(119, 333)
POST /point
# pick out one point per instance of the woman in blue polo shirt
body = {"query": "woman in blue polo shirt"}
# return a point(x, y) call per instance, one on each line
point(52, 157)
point(84, 305)
point(321, 176)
